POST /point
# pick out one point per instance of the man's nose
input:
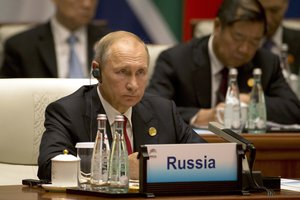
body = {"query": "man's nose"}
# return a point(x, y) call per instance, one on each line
point(244, 47)
point(132, 83)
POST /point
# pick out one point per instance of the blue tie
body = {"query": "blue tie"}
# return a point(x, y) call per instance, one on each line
point(75, 70)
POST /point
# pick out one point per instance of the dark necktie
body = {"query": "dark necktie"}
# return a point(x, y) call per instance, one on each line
point(75, 70)
point(128, 144)
point(223, 85)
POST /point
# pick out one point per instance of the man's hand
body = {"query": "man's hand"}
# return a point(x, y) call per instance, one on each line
point(204, 116)
point(245, 98)
point(134, 166)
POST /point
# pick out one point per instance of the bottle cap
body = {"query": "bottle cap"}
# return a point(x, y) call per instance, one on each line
point(101, 117)
point(257, 71)
point(119, 118)
point(233, 71)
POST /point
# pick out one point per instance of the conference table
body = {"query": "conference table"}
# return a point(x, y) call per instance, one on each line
point(37, 193)
point(277, 154)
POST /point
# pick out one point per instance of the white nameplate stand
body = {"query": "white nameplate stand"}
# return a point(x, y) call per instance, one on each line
point(210, 168)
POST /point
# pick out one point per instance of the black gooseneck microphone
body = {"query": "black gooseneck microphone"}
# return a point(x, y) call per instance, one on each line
point(231, 136)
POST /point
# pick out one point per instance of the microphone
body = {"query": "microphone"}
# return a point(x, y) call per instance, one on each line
point(230, 135)
point(250, 181)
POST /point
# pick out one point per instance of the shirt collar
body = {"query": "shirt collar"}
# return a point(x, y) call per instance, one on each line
point(216, 64)
point(111, 112)
point(61, 33)
point(277, 37)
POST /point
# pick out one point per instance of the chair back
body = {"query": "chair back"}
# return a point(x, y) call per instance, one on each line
point(22, 109)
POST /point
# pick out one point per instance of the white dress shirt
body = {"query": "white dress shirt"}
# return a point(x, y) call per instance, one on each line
point(277, 40)
point(216, 68)
point(111, 113)
point(216, 76)
point(62, 48)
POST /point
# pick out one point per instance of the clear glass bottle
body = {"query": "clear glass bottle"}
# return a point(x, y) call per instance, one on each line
point(257, 115)
point(232, 112)
point(119, 167)
point(100, 158)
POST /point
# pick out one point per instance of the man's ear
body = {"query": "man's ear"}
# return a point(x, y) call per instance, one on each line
point(217, 25)
point(96, 71)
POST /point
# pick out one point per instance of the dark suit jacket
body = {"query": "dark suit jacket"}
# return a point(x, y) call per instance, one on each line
point(31, 54)
point(73, 119)
point(183, 73)
point(292, 38)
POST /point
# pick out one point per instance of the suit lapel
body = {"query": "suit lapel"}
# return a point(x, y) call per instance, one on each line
point(93, 108)
point(202, 71)
point(142, 121)
point(47, 49)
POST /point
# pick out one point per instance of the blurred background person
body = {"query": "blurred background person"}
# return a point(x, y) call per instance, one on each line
point(192, 73)
point(62, 47)
point(278, 34)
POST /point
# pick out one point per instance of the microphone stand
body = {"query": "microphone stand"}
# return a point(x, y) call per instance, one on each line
point(250, 182)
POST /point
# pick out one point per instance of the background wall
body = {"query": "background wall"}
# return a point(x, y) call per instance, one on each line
point(156, 21)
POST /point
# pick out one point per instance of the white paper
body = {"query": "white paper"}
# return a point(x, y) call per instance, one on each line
point(290, 184)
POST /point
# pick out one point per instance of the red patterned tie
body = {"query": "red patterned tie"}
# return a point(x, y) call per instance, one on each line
point(128, 144)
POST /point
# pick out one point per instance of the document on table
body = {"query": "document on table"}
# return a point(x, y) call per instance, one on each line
point(290, 184)
point(203, 131)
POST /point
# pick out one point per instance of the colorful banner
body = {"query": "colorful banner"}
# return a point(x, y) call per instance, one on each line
point(155, 21)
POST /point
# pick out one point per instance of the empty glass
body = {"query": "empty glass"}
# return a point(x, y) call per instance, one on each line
point(84, 152)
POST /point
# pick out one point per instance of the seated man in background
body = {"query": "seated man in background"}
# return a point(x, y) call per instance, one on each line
point(191, 73)
point(277, 34)
point(61, 48)
point(121, 67)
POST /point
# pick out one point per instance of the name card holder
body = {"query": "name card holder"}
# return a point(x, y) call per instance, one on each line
point(186, 169)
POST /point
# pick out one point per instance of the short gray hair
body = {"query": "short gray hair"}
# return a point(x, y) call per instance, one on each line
point(102, 48)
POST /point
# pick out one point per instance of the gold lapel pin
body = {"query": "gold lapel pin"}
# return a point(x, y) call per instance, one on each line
point(152, 131)
point(250, 82)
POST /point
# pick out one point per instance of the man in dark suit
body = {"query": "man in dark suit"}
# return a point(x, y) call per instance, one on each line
point(191, 73)
point(43, 51)
point(278, 34)
point(121, 66)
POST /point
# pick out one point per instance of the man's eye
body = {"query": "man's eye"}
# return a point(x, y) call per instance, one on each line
point(237, 37)
point(141, 72)
point(122, 71)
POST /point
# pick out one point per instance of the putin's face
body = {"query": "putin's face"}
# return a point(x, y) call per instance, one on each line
point(124, 74)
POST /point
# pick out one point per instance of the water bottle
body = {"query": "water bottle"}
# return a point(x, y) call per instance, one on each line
point(232, 112)
point(119, 167)
point(100, 158)
point(257, 115)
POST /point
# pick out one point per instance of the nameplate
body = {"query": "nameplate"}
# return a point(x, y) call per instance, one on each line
point(192, 162)
point(190, 166)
